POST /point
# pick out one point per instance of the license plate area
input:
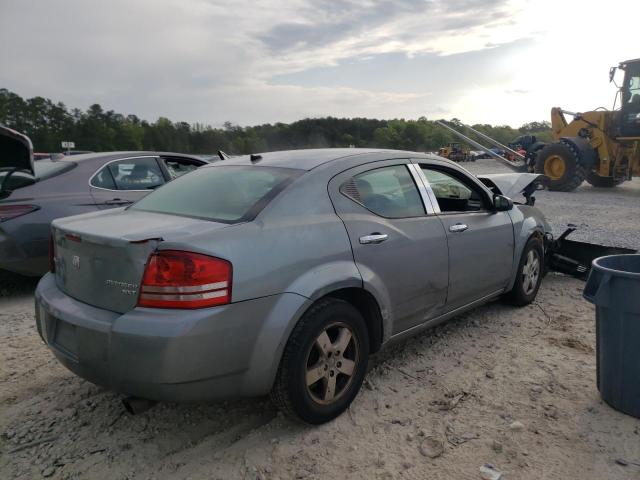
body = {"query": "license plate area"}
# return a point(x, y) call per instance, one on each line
point(65, 339)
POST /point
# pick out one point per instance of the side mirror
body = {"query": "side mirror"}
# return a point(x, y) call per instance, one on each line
point(612, 73)
point(502, 203)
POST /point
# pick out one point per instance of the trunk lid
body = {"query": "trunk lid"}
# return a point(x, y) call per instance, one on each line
point(100, 257)
point(16, 151)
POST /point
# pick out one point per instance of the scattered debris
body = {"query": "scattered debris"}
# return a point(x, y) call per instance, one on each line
point(516, 426)
point(431, 447)
point(32, 444)
point(489, 472)
point(456, 440)
point(450, 403)
point(49, 471)
point(626, 463)
point(406, 373)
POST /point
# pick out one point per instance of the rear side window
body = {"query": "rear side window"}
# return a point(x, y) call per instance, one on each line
point(389, 192)
point(229, 194)
point(103, 179)
point(129, 174)
point(136, 174)
point(178, 168)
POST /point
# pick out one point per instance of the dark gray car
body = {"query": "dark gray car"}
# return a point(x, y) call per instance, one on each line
point(281, 273)
point(32, 194)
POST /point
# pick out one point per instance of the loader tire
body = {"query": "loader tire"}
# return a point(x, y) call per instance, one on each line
point(560, 163)
point(603, 182)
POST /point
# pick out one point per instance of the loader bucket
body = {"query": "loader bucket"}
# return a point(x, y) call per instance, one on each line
point(574, 258)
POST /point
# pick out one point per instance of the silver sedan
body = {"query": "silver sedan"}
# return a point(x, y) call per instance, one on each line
point(282, 273)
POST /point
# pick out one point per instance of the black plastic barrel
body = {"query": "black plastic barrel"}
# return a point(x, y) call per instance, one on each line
point(613, 287)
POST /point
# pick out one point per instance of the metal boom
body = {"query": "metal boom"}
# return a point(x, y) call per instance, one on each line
point(482, 147)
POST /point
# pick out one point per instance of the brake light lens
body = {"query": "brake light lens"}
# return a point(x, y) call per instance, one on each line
point(178, 279)
point(7, 212)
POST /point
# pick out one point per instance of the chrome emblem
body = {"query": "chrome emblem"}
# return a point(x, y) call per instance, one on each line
point(125, 287)
point(75, 261)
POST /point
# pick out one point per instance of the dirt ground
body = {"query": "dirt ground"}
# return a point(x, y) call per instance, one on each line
point(500, 385)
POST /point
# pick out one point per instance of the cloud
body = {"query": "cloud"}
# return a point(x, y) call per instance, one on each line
point(279, 60)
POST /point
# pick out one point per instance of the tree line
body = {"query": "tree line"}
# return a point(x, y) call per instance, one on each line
point(48, 123)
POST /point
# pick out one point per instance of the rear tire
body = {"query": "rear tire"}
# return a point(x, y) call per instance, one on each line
point(323, 364)
point(603, 182)
point(529, 275)
point(560, 163)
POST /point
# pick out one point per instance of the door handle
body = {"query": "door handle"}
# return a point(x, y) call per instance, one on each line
point(458, 227)
point(118, 201)
point(373, 238)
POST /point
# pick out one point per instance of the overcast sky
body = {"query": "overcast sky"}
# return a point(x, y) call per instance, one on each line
point(210, 61)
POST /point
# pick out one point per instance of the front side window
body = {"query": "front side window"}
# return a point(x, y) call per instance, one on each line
point(634, 90)
point(389, 192)
point(227, 194)
point(631, 91)
point(452, 194)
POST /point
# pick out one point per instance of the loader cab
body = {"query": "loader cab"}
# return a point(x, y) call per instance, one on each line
point(630, 99)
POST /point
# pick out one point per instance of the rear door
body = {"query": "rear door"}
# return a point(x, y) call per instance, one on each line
point(122, 182)
point(399, 245)
point(481, 242)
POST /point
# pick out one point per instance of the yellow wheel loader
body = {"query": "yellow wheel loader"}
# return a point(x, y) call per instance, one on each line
point(602, 146)
point(454, 151)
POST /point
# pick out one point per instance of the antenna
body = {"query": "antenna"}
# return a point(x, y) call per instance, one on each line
point(222, 155)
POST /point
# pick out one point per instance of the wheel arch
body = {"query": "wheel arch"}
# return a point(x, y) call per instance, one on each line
point(363, 301)
point(531, 225)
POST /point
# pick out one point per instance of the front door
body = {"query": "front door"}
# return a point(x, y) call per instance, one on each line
point(481, 242)
point(399, 245)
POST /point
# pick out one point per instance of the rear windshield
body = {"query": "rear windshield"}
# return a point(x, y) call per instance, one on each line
point(43, 169)
point(229, 194)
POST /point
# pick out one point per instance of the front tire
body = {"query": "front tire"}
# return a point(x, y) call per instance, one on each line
point(529, 276)
point(560, 163)
point(323, 364)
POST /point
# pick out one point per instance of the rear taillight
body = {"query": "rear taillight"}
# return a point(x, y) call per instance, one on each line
point(177, 279)
point(7, 212)
point(52, 254)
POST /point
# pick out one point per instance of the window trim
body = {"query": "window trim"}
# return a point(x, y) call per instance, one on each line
point(104, 165)
point(456, 175)
point(425, 206)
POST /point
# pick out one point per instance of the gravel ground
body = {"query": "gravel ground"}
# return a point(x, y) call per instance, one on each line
point(510, 387)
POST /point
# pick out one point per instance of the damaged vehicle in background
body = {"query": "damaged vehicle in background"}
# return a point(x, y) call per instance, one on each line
point(281, 273)
point(32, 194)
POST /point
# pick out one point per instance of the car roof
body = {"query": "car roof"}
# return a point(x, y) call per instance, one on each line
point(106, 156)
point(308, 159)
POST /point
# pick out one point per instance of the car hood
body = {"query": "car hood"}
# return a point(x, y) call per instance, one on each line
point(510, 184)
point(16, 151)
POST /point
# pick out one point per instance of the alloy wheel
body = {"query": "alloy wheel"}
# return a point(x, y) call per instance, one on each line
point(530, 272)
point(331, 363)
